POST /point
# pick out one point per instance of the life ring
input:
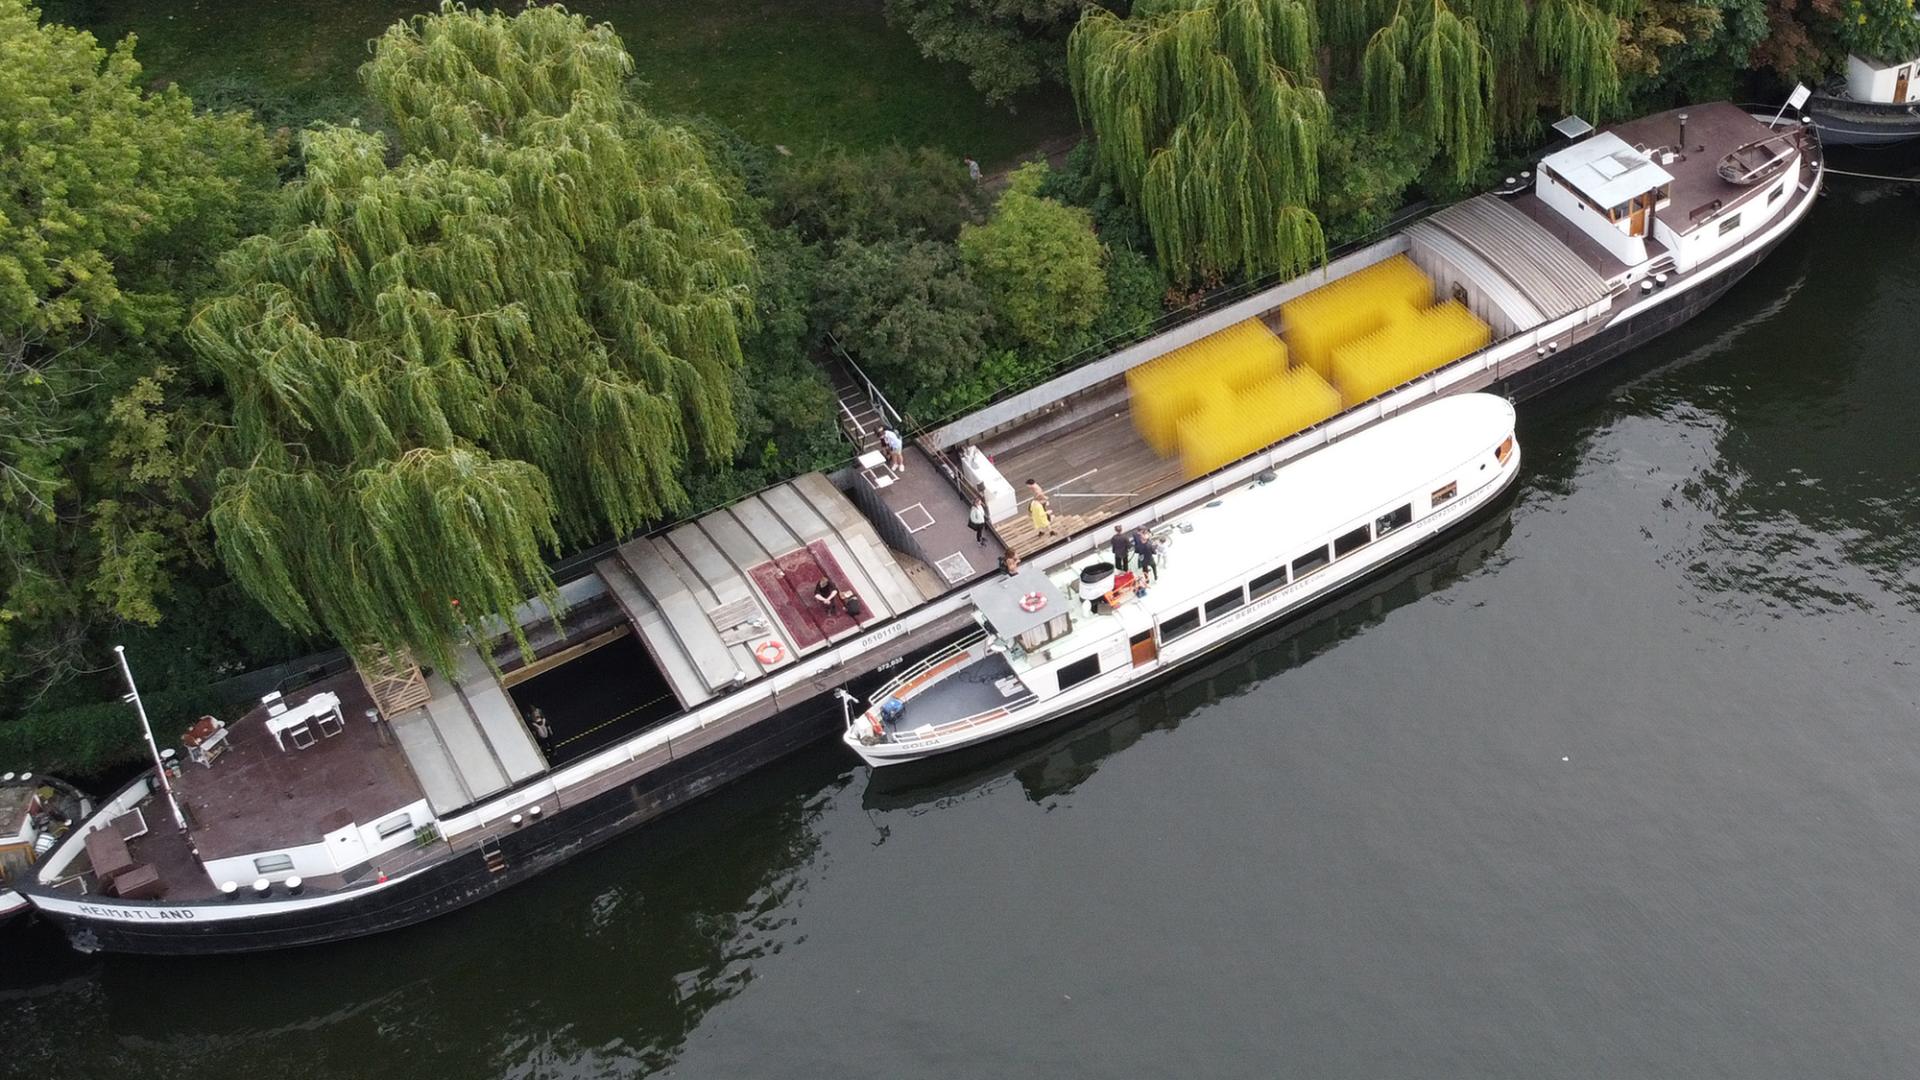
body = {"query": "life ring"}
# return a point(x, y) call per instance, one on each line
point(770, 653)
point(1033, 602)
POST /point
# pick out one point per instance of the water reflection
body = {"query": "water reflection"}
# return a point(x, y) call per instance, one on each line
point(603, 967)
point(1052, 763)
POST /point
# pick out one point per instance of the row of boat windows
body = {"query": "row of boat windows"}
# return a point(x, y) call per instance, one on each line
point(1186, 622)
point(1176, 626)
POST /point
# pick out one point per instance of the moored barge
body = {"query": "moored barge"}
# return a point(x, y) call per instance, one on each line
point(683, 660)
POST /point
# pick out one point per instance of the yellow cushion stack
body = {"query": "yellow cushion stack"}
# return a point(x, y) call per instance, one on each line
point(1229, 425)
point(1169, 387)
point(1371, 365)
point(1358, 304)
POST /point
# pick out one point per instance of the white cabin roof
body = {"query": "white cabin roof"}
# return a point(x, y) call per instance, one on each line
point(1324, 491)
point(1607, 170)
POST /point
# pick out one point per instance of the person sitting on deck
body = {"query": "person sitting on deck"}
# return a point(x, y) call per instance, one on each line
point(827, 595)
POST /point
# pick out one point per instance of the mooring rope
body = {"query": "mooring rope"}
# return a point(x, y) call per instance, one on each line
point(1831, 171)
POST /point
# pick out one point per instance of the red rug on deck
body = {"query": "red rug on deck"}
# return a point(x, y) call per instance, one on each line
point(787, 582)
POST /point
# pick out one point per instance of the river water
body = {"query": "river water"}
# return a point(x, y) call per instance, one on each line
point(1624, 783)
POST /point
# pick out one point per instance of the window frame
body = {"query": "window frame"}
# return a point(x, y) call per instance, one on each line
point(1326, 560)
point(271, 864)
point(1070, 675)
point(381, 829)
point(1232, 601)
point(1172, 628)
point(1729, 223)
point(1444, 494)
point(1267, 584)
point(1400, 516)
point(1355, 539)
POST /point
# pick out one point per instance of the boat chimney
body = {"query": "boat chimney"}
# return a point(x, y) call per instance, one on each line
point(1683, 133)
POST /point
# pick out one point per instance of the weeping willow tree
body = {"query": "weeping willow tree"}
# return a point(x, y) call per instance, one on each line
point(1465, 71)
point(1208, 118)
point(516, 337)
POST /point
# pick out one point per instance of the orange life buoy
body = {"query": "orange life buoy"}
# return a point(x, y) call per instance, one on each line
point(770, 653)
point(1033, 602)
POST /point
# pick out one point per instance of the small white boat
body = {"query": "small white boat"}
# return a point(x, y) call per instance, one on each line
point(1057, 642)
point(35, 811)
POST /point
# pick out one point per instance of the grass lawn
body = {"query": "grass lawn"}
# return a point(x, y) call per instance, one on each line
point(799, 73)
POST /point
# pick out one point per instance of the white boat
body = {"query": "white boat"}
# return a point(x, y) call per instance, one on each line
point(1055, 643)
point(35, 811)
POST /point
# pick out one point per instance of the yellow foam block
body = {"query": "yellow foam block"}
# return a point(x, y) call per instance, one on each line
point(1231, 426)
point(1166, 388)
point(1351, 307)
point(1369, 366)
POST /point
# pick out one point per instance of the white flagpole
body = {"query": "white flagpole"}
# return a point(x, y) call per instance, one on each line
point(1794, 100)
point(159, 766)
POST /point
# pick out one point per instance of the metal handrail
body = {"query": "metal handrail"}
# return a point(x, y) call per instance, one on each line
point(926, 665)
point(874, 397)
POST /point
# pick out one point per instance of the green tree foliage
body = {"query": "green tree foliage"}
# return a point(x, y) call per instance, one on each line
point(909, 312)
point(882, 195)
point(516, 337)
point(1882, 30)
point(1210, 120)
point(1008, 46)
point(1038, 262)
point(113, 202)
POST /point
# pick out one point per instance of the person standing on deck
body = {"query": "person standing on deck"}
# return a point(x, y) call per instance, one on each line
point(1039, 493)
point(1122, 547)
point(1149, 552)
point(541, 729)
point(896, 460)
point(977, 517)
point(1042, 521)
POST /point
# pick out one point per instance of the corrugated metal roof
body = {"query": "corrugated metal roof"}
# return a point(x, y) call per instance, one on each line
point(1511, 248)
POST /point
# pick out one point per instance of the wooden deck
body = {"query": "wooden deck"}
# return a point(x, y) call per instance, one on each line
point(1091, 471)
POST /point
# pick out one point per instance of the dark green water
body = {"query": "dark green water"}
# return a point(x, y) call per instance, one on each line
point(1625, 784)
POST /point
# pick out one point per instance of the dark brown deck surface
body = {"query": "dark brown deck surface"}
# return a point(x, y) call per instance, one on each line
point(1091, 471)
point(257, 797)
point(1713, 131)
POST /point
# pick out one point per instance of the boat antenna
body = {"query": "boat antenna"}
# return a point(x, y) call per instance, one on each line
point(159, 766)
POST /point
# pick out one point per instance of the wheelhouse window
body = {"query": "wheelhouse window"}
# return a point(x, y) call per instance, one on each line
point(1272, 581)
point(273, 864)
point(394, 825)
point(1395, 519)
point(1079, 671)
point(1311, 561)
point(1731, 223)
point(1349, 542)
point(1174, 626)
point(1224, 603)
point(1445, 494)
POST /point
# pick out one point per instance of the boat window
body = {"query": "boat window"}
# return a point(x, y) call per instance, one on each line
point(1308, 563)
point(1350, 542)
point(1505, 451)
point(1224, 603)
point(1141, 638)
point(394, 825)
point(1388, 522)
point(273, 864)
point(1174, 626)
point(1079, 671)
point(1444, 494)
point(1731, 223)
point(1271, 581)
point(1774, 195)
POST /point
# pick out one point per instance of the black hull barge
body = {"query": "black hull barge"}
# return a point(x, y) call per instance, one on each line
point(386, 796)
